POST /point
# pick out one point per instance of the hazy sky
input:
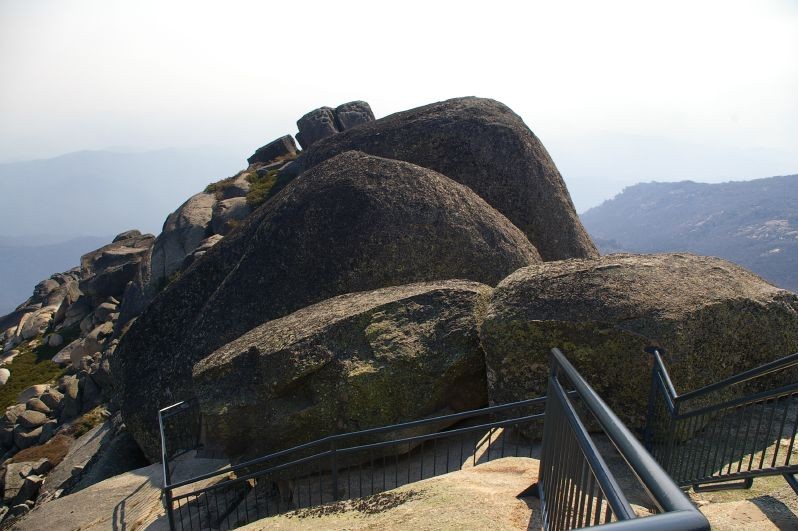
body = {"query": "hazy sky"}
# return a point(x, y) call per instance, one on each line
point(619, 91)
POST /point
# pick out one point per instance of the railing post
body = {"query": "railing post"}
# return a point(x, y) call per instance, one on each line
point(652, 396)
point(167, 501)
point(334, 465)
point(167, 475)
point(671, 439)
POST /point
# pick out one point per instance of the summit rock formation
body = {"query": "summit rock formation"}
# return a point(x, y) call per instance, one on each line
point(353, 223)
point(484, 145)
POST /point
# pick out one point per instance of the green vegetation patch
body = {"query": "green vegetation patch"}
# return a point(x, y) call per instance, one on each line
point(218, 188)
point(264, 188)
point(87, 421)
point(33, 366)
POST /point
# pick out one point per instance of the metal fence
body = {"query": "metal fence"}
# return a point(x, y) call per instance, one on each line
point(350, 465)
point(180, 426)
point(577, 488)
point(725, 434)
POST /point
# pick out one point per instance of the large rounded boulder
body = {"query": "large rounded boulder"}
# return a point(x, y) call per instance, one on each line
point(348, 363)
point(486, 146)
point(353, 223)
point(711, 317)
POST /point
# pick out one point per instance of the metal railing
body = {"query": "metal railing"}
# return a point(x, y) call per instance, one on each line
point(349, 465)
point(725, 434)
point(577, 488)
point(180, 426)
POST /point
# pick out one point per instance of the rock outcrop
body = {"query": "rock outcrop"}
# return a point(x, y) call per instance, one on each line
point(228, 214)
point(354, 223)
point(712, 318)
point(352, 362)
point(183, 231)
point(483, 144)
point(107, 270)
point(325, 122)
point(281, 147)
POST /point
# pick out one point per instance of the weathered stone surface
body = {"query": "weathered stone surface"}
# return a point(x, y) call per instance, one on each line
point(48, 430)
point(52, 398)
point(113, 254)
point(238, 187)
point(104, 311)
point(30, 487)
point(276, 148)
point(31, 418)
point(36, 323)
point(76, 312)
point(5, 374)
point(127, 501)
point(183, 231)
point(127, 235)
point(70, 404)
point(112, 280)
point(90, 394)
point(34, 391)
point(107, 270)
point(36, 404)
point(351, 114)
point(11, 414)
point(228, 214)
point(87, 346)
point(712, 317)
point(352, 362)
point(492, 495)
point(315, 125)
point(14, 479)
point(484, 145)
point(54, 340)
point(64, 356)
point(26, 437)
point(354, 223)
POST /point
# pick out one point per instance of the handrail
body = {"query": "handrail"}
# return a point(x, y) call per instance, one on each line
point(167, 499)
point(661, 488)
point(341, 436)
point(767, 368)
point(704, 445)
point(328, 470)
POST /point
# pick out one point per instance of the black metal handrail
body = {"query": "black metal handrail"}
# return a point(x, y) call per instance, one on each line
point(348, 465)
point(577, 487)
point(711, 436)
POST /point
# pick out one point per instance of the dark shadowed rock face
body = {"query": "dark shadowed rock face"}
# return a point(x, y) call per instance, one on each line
point(353, 223)
point(352, 362)
point(281, 147)
point(107, 270)
point(353, 113)
point(315, 125)
point(480, 143)
point(713, 319)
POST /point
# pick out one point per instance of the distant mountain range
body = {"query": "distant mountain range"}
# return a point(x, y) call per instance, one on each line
point(103, 192)
point(22, 266)
point(53, 210)
point(753, 223)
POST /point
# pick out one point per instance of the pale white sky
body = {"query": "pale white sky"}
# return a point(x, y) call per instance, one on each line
point(619, 91)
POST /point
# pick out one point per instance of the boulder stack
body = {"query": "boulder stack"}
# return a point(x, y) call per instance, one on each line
point(354, 223)
point(484, 145)
point(352, 362)
point(324, 122)
point(712, 318)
